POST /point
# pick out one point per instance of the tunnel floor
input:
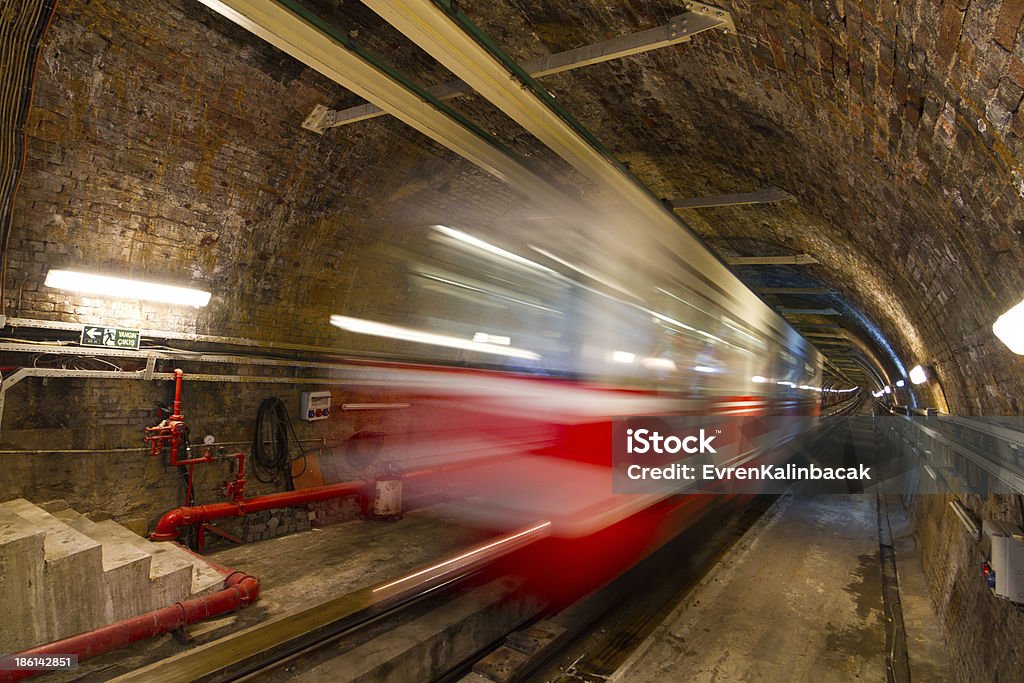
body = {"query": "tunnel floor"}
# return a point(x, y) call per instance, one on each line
point(799, 599)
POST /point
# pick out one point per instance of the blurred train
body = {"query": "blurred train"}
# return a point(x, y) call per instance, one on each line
point(514, 344)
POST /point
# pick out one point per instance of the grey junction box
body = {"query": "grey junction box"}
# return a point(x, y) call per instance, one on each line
point(1007, 558)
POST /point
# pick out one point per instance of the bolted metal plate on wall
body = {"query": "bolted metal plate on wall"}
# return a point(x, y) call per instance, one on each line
point(110, 337)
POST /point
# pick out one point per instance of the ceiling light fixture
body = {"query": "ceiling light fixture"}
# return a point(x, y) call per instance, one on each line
point(405, 334)
point(1009, 327)
point(123, 288)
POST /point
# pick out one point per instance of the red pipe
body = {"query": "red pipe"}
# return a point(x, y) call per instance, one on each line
point(170, 525)
point(178, 374)
point(240, 590)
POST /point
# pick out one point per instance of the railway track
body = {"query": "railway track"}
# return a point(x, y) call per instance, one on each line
point(272, 645)
point(466, 607)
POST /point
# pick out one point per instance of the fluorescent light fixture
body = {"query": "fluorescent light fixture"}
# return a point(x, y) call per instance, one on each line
point(704, 368)
point(394, 332)
point(758, 379)
point(900, 383)
point(488, 247)
point(918, 375)
point(786, 384)
point(1009, 327)
point(123, 288)
point(623, 357)
point(484, 338)
point(658, 364)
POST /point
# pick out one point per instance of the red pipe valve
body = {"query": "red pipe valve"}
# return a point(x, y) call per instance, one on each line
point(170, 431)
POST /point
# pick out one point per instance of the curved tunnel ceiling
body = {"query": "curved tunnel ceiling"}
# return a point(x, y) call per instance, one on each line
point(895, 126)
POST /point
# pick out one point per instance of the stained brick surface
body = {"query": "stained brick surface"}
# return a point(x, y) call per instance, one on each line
point(165, 142)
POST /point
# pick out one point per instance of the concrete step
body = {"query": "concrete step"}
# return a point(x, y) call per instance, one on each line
point(72, 573)
point(171, 576)
point(21, 583)
point(205, 579)
point(126, 569)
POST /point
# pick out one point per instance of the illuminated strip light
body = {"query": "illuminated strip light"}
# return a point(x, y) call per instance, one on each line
point(488, 247)
point(623, 357)
point(672, 321)
point(698, 308)
point(586, 273)
point(464, 556)
point(658, 364)
point(481, 290)
point(394, 332)
point(123, 288)
point(485, 338)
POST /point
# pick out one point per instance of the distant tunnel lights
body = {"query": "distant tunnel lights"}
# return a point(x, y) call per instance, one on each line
point(394, 332)
point(122, 288)
point(918, 375)
point(900, 383)
point(1009, 327)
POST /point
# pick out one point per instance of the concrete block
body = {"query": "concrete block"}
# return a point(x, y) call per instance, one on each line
point(125, 569)
point(170, 577)
point(72, 573)
point(138, 525)
point(21, 583)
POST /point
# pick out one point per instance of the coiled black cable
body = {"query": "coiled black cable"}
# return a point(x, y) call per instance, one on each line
point(271, 459)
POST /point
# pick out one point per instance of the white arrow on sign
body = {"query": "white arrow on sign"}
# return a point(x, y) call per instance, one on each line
point(92, 332)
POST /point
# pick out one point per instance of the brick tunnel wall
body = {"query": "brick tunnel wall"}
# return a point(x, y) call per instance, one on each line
point(80, 440)
point(165, 143)
point(166, 139)
point(898, 127)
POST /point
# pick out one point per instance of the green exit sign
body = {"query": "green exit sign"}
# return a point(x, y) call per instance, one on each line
point(110, 337)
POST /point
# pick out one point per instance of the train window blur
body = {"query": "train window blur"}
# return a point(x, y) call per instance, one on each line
point(547, 296)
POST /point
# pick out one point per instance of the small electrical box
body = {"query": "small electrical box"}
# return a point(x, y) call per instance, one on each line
point(316, 405)
point(1005, 568)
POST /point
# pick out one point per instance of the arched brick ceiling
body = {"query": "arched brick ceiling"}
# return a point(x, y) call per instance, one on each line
point(895, 124)
point(167, 138)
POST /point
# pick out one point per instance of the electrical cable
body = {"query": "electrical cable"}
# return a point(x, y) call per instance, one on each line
point(270, 456)
point(28, 81)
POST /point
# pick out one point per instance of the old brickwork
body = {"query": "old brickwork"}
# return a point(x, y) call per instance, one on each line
point(896, 125)
point(165, 143)
point(81, 440)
